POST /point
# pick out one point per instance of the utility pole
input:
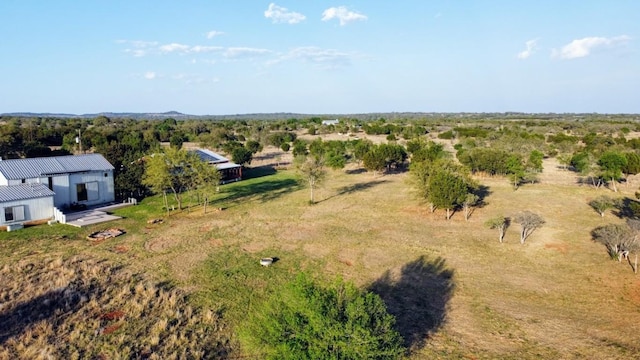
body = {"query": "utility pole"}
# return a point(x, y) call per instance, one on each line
point(79, 140)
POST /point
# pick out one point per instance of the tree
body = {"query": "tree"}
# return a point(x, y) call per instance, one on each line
point(468, 204)
point(529, 222)
point(447, 190)
point(374, 161)
point(501, 223)
point(176, 140)
point(312, 170)
point(299, 148)
point(205, 177)
point(425, 152)
point(253, 146)
point(308, 320)
point(420, 173)
point(241, 155)
point(515, 170)
point(633, 164)
point(534, 163)
point(602, 203)
point(611, 163)
point(170, 170)
point(619, 240)
point(361, 148)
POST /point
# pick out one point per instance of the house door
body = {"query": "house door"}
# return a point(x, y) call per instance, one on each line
point(81, 192)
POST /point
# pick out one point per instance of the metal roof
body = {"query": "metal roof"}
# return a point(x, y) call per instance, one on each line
point(24, 192)
point(14, 169)
point(228, 165)
point(210, 157)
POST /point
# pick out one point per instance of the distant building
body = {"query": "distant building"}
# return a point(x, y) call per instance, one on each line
point(230, 171)
point(330, 122)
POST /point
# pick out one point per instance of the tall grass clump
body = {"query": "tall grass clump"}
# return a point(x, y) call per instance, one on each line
point(80, 308)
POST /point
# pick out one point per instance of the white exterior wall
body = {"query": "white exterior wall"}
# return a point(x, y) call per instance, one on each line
point(61, 188)
point(106, 191)
point(64, 186)
point(34, 209)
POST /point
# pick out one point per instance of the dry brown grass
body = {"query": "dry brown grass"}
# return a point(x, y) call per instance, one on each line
point(82, 308)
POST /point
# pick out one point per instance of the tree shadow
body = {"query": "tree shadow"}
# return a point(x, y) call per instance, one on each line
point(359, 170)
point(350, 189)
point(52, 306)
point(627, 208)
point(482, 192)
point(418, 298)
point(262, 191)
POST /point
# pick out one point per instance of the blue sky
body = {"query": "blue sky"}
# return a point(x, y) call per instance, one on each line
point(237, 57)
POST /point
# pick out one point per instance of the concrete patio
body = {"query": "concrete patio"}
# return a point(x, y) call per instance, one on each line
point(94, 216)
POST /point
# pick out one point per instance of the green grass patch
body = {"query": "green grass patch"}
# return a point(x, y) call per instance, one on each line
point(233, 282)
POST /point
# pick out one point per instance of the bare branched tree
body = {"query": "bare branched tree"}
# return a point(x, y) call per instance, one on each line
point(529, 222)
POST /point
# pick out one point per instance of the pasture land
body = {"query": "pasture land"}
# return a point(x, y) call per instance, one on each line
point(455, 290)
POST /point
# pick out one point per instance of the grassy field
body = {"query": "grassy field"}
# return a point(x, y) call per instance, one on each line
point(455, 290)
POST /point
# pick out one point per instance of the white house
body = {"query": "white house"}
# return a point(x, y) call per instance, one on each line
point(75, 179)
point(25, 203)
point(331, 122)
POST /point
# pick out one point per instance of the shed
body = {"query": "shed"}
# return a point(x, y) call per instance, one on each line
point(230, 171)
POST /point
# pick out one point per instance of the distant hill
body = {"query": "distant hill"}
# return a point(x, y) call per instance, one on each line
point(255, 116)
point(360, 116)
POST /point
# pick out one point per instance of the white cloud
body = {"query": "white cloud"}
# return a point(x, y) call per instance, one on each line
point(583, 47)
point(531, 48)
point(168, 48)
point(202, 49)
point(324, 58)
point(279, 14)
point(244, 52)
point(213, 33)
point(186, 49)
point(343, 14)
point(138, 48)
point(150, 75)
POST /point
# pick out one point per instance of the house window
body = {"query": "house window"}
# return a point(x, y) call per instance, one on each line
point(14, 213)
point(88, 191)
point(51, 183)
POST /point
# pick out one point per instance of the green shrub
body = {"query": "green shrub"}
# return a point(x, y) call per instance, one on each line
point(307, 320)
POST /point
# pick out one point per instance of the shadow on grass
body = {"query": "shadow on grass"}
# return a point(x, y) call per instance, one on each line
point(258, 171)
point(482, 192)
point(627, 208)
point(418, 298)
point(361, 186)
point(359, 170)
point(262, 191)
point(52, 306)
